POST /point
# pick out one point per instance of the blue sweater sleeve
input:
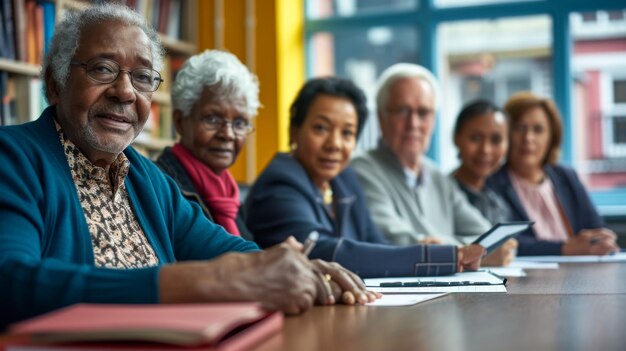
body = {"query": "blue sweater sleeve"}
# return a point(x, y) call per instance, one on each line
point(276, 212)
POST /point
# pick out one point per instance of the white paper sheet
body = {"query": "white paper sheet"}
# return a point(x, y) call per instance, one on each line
point(480, 276)
point(533, 265)
point(506, 271)
point(618, 257)
point(443, 289)
point(403, 299)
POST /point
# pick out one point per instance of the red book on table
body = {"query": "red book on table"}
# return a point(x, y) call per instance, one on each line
point(224, 326)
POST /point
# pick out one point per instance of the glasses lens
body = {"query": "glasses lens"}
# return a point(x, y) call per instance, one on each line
point(241, 127)
point(145, 79)
point(103, 71)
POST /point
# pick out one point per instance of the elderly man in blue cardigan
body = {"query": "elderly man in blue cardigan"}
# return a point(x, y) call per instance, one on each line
point(85, 218)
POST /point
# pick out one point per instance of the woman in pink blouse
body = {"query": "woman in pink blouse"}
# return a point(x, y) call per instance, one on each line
point(537, 188)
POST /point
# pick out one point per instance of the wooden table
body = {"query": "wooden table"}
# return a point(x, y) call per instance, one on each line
point(577, 307)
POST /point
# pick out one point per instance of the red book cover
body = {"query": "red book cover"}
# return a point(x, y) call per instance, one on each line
point(164, 13)
point(224, 326)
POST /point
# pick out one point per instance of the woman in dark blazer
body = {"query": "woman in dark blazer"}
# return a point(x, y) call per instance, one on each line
point(537, 188)
point(313, 189)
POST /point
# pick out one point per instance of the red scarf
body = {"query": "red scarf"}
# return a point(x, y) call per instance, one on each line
point(219, 192)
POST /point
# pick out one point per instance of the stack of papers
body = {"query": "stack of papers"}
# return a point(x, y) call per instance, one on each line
point(480, 281)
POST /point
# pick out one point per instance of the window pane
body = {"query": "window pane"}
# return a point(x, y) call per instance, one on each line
point(345, 8)
point(362, 55)
point(452, 3)
point(616, 15)
point(490, 60)
point(588, 16)
point(599, 99)
point(619, 91)
point(619, 129)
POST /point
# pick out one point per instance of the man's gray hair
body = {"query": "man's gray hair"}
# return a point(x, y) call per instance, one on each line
point(401, 71)
point(67, 34)
point(228, 79)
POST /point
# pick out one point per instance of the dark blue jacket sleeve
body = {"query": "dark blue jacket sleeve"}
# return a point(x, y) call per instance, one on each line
point(529, 245)
point(276, 210)
point(574, 199)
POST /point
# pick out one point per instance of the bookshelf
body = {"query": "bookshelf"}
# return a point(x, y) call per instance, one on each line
point(33, 21)
point(18, 67)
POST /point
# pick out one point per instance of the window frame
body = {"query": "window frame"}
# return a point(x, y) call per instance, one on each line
point(612, 110)
point(427, 17)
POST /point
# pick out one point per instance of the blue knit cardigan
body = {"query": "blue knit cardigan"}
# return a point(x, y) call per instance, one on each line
point(46, 256)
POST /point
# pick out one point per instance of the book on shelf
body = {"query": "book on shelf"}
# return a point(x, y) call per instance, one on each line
point(19, 23)
point(7, 29)
point(22, 99)
point(173, 25)
point(31, 97)
point(164, 12)
point(4, 101)
point(152, 123)
point(221, 326)
point(164, 15)
point(49, 21)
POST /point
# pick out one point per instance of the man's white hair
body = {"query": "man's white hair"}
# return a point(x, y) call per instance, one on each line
point(401, 71)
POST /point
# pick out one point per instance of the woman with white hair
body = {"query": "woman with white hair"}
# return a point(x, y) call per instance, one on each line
point(215, 97)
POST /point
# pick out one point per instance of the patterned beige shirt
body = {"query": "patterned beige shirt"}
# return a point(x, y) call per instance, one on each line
point(117, 238)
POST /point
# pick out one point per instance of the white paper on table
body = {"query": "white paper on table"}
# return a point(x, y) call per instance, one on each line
point(506, 271)
point(441, 289)
point(533, 265)
point(478, 276)
point(403, 299)
point(617, 257)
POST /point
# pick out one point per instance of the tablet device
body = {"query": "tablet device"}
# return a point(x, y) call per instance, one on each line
point(500, 233)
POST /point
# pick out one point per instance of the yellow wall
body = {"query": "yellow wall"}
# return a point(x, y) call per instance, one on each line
point(279, 53)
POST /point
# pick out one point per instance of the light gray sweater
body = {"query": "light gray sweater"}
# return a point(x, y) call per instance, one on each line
point(406, 214)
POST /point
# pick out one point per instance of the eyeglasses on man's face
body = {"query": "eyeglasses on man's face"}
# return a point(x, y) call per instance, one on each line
point(405, 112)
point(241, 126)
point(106, 71)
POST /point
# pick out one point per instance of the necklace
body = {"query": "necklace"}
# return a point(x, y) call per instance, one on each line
point(328, 196)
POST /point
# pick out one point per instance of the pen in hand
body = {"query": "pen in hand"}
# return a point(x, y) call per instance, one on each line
point(310, 241)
